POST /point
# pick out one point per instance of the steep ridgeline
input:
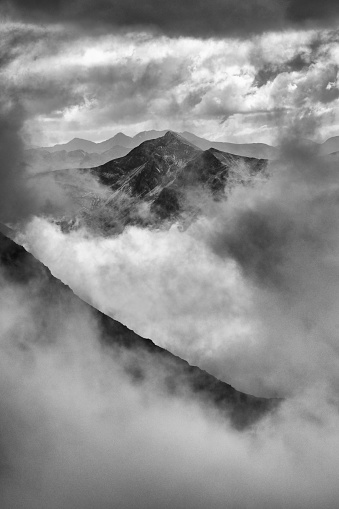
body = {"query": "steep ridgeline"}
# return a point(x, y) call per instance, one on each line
point(211, 170)
point(164, 170)
point(152, 164)
point(141, 359)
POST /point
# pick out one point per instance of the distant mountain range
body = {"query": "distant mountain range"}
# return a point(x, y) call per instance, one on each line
point(80, 153)
point(172, 161)
point(156, 182)
point(260, 150)
point(136, 355)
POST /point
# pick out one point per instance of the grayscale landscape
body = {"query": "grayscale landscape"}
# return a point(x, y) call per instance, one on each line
point(169, 254)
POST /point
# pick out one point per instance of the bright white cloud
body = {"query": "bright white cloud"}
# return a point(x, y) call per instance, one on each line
point(95, 87)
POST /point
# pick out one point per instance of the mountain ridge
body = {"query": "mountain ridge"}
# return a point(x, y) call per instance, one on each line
point(250, 149)
point(176, 376)
point(256, 149)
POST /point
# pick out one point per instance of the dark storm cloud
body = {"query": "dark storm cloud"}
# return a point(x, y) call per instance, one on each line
point(317, 48)
point(177, 17)
point(123, 90)
point(16, 199)
point(300, 11)
point(316, 83)
point(187, 17)
point(270, 71)
point(32, 40)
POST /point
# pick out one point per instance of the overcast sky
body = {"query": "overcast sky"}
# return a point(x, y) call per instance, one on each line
point(223, 69)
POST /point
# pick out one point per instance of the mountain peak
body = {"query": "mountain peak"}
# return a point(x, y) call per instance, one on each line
point(172, 136)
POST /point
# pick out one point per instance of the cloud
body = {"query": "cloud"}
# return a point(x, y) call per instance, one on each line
point(218, 19)
point(77, 432)
point(90, 86)
point(20, 198)
point(247, 293)
point(174, 18)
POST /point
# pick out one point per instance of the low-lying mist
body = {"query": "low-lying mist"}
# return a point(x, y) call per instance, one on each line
point(77, 432)
point(248, 292)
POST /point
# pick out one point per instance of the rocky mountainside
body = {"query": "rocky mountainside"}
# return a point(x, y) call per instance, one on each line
point(163, 171)
point(152, 164)
point(213, 172)
point(136, 354)
point(153, 183)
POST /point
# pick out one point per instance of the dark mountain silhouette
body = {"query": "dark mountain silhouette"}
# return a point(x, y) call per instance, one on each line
point(150, 185)
point(136, 354)
point(153, 163)
point(211, 170)
point(163, 170)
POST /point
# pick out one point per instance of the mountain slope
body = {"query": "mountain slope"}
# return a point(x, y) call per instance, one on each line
point(136, 354)
point(172, 159)
point(153, 163)
point(210, 170)
point(163, 179)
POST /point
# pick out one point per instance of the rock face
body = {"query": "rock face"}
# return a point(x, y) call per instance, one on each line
point(136, 354)
point(152, 163)
point(163, 180)
point(163, 170)
point(170, 159)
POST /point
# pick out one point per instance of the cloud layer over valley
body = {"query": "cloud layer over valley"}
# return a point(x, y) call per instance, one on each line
point(76, 432)
point(246, 289)
point(248, 292)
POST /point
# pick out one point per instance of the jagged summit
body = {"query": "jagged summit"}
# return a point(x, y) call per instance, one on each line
point(154, 162)
point(172, 137)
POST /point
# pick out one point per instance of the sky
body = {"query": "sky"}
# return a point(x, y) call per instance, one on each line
point(225, 70)
point(248, 292)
